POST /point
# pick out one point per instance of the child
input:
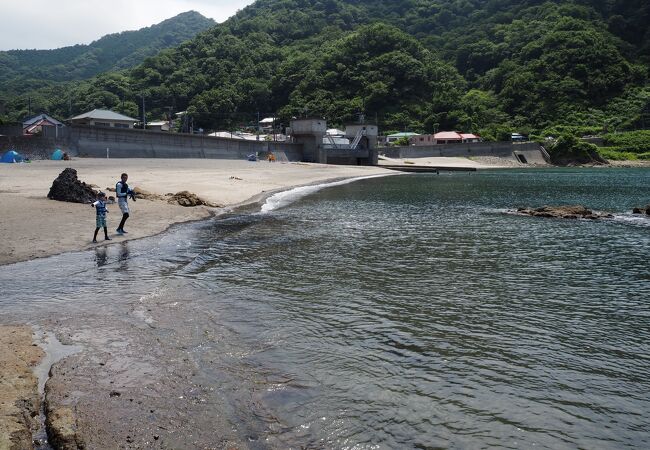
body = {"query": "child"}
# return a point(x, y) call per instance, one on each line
point(100, 206)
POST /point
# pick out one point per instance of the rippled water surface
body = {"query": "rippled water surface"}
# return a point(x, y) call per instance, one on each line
point(407, 311)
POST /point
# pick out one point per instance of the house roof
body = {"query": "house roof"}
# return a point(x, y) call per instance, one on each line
point(403, 134)
point(269, 120)
point(41, 117)
point(104, 114)
point(469, 136)
point(447, 135)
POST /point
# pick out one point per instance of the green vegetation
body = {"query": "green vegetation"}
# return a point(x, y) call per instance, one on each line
point(559, 68)
point(22, 71)
point(632, 142)
point(569, 149)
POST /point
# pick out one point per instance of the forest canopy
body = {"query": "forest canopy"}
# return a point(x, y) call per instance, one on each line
point(417, 65)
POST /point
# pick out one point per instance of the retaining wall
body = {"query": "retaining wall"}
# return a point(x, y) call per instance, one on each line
point(33, 147)
point(129, 143)
point(502, 149)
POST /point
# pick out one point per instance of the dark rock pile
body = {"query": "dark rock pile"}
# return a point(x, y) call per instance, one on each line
point(67, 188)
point(564, 212)
point(645, 210)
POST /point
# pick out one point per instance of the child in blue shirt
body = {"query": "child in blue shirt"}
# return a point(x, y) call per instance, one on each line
point(100, 206)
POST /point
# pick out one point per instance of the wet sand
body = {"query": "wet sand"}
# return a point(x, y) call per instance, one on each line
point(19, 399)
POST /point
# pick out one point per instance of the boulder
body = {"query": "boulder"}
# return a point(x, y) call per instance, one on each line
point(643, 210)
point(67, 188)
point(563, 212)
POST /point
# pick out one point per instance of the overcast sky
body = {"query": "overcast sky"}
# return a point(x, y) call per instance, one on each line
point(41, 24)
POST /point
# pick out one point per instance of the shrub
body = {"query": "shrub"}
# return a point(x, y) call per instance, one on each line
point(632, 141)
point(570, 150)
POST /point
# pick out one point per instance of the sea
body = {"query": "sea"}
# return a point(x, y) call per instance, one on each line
point(415, 311)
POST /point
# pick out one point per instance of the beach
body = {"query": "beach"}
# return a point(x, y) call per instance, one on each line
point(36, 227)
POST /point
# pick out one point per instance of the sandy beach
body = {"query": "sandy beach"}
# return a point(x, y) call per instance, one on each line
point(40, 227)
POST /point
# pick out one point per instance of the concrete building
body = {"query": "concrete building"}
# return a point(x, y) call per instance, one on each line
point(161, 125)
point(391, 138)
point(444, 137)
point(268, 123)
point(103, 118)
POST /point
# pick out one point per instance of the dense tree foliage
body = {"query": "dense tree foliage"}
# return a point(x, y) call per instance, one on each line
point(486, 66)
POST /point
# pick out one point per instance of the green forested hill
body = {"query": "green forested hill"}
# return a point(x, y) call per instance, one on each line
point(485, 66)
point(22, 69)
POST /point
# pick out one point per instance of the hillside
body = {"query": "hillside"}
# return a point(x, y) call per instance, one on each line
point(21, 69)
point(482, 66)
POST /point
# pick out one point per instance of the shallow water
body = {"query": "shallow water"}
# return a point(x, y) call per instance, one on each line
point(399, 312)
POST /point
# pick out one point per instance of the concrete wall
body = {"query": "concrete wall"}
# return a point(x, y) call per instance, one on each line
point(11, 130)
point(502, 149)
point(33, 147)
point(125, 143)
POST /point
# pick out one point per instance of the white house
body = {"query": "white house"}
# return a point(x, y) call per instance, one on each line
point(103, 118)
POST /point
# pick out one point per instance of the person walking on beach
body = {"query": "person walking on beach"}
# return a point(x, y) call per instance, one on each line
point(100, 207)
point(122, 192)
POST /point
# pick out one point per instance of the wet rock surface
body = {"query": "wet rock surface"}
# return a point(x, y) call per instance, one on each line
point(67, 188)
point(564, 212)
point(642, 210)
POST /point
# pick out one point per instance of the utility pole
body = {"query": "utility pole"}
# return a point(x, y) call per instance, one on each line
point(144, 114)
point(29, 106)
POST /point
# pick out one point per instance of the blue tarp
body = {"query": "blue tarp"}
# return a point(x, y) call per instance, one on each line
point(12, 157)
point(57, 155)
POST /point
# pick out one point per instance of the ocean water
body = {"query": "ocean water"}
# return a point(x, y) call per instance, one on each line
point(399, 312)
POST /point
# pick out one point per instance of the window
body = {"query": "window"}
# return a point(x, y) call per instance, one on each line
point(121, 125)
point(101, 124)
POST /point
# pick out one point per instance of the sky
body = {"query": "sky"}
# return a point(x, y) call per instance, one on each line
point(41, 24)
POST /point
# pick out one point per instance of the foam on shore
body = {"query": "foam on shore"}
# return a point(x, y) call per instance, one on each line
point(284, 198)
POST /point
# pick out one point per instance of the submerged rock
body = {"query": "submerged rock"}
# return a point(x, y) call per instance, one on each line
point(645, 210)
point(67, 188)
point(564, 212)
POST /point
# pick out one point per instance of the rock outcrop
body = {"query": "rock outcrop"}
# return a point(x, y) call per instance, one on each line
point(645, 210)
point(564, 212)
point(185, 198)
point(67, 188)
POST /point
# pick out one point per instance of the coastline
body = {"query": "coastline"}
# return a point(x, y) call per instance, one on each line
point(38, 227)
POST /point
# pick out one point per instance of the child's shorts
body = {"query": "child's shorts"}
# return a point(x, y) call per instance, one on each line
point(101, 221)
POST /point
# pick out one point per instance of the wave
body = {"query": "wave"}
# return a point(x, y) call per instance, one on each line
point(284, 198)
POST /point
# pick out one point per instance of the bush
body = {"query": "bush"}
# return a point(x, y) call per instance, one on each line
point(570, 150)
point(615, 155)
point(632, 141)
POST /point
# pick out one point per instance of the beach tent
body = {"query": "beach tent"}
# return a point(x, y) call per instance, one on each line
point(57, 155)
point(12, 157)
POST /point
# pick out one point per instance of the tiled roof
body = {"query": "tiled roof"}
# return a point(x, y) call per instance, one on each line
point(103, 114)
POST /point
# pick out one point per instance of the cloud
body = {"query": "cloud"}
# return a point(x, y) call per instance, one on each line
point(44, 25)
